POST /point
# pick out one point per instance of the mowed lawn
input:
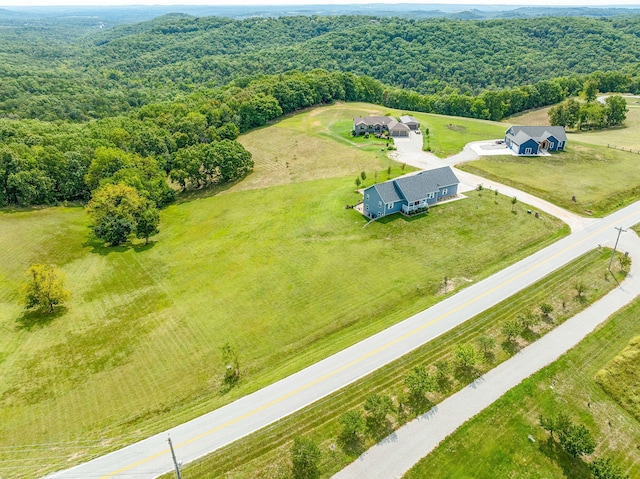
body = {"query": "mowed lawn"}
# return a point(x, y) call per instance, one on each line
point(286, 275)
point(495, 443)
point(317, 143)
point(602, 179)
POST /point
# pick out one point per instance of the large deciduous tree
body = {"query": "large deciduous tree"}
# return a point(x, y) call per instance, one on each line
point(45, 288)
point(116, 211)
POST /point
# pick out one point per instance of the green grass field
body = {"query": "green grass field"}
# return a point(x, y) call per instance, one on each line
point(277, 272)
point(317, 143)
point(602, 179)
point(495, 443)
point(265, 454)
point(624, 136)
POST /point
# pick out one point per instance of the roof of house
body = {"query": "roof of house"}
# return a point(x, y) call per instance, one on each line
point(417, 187)
point(520, 134)
point(394, 125)
point(373, 120)
point(387, 191)
point(408, 119)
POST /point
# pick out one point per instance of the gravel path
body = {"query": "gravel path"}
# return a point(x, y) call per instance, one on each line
point(396, 454)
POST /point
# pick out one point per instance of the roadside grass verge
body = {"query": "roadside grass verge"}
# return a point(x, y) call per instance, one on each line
point(602, 179)
point(266, 453)
point(278, 273)
point(495, 443)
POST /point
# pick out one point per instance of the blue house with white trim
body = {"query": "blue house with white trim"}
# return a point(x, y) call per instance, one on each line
point(410, 193)
point(534, 140)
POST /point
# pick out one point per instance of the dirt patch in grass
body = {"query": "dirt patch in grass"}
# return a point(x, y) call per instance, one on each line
point(620, 378)
point(457, 128)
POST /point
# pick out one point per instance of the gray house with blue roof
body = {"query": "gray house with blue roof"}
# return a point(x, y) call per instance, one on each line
point(409, 194)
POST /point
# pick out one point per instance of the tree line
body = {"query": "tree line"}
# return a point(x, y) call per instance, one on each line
point(192, 141)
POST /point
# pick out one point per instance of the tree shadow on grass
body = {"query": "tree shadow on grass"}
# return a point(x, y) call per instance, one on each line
point(511, 347)
point(37, 318)
point(378, 430)
point(98, 246)
point(572, 467)
point(529, 336)
point(466, 375)
point(352, 445)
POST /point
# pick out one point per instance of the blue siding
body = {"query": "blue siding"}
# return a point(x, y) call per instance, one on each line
point(531, 143)
point(373, 206)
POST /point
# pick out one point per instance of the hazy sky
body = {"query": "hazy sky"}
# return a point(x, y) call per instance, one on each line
point(7, 3)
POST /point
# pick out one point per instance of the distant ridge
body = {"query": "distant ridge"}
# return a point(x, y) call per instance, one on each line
point(117, 15)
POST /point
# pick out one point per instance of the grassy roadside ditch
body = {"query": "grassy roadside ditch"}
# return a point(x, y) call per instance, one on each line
point(450, 362)
point(496, 442)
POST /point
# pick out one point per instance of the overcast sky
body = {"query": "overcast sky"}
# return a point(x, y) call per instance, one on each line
point(8, 3)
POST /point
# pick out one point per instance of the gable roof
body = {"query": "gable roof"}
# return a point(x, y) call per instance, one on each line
point(394, 125)
point(408, 119)
point(373, 120)
point(520, 134)
point(387, 191)
point(417, 187)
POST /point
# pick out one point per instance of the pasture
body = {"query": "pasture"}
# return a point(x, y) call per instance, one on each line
point(265, 454)
point(285, 274)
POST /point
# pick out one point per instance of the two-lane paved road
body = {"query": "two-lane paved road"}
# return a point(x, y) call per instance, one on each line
point(150, 457)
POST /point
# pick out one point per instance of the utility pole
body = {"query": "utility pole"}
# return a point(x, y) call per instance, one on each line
point(620, 230)
point(175, 462)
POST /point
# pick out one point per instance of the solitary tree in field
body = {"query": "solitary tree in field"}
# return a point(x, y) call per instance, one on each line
point(363, 175)
point(388, 172)
point(358, 182)
point(514, 200)
point(45, 288)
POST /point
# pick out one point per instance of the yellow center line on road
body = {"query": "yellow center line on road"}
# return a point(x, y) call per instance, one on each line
point(365, 356)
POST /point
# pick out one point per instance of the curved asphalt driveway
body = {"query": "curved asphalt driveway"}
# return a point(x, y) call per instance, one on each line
point(150, 457)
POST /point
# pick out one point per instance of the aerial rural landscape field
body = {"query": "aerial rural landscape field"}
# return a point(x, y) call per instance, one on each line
point(188, 248)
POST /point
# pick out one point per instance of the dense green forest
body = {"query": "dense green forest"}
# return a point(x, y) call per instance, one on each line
point(142, 103)
point(48, 75)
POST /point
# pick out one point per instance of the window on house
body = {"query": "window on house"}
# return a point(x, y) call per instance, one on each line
point(389, 205)
point(444, 191)
point(431, 196)
point(527, 151)
point(379, 204)
point(367, 196)
point(366, 207)
point(551, 143)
